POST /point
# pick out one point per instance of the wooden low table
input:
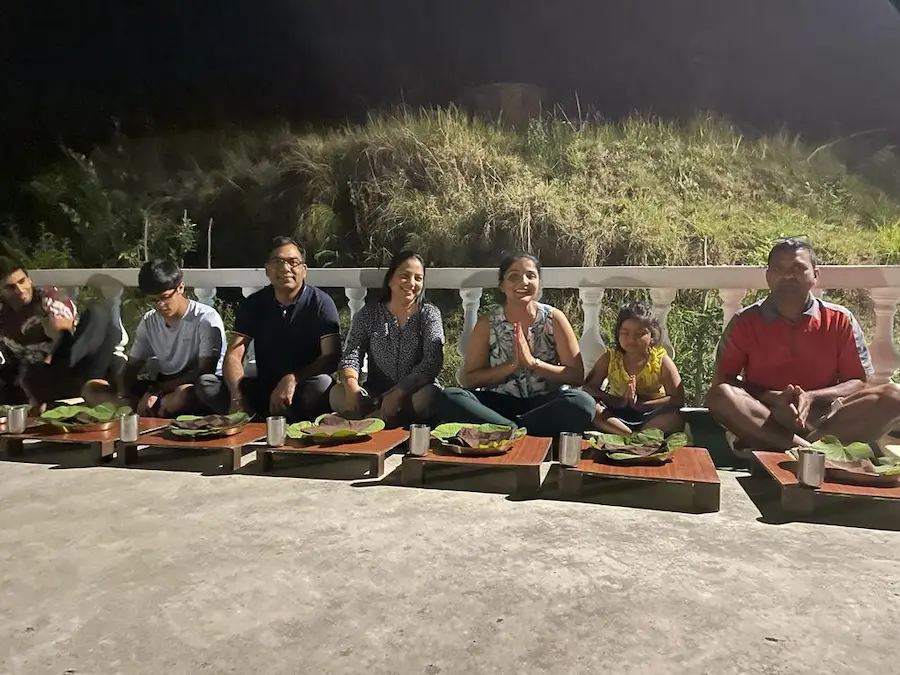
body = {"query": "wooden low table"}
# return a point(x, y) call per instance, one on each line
point(692, 467)
point(375, 448)
point(232, 445)
point(102, 443)
point(801, 499)
point(526, 457)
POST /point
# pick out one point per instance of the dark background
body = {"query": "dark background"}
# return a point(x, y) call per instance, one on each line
point(819, 68)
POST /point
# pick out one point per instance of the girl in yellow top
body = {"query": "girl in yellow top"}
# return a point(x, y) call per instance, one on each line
point(643, 385)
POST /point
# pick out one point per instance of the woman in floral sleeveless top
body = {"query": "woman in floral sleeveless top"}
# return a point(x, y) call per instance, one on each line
point(522, 364)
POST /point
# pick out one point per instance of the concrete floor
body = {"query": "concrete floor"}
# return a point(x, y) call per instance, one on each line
point(167, 568)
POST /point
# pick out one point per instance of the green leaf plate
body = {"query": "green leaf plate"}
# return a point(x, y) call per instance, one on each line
point(334, 429)
point(444, 432)
point(647, 446)
point(223, 425)
point(855, 463)
point(82, 419)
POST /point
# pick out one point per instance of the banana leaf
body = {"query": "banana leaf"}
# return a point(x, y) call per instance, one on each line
point(643, 445)
point(333, 427)
point(855, 463)
point(477, 439)
point(196, 426)
point(71, 417)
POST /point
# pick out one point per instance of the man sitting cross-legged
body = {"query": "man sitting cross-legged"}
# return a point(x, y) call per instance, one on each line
point(185, 338)
point(797, 355)
point(295, 330)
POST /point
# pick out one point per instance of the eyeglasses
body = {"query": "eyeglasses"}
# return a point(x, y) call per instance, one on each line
point(162, 298)
point(291, 263)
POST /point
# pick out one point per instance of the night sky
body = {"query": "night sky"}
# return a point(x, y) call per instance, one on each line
point(819, 67)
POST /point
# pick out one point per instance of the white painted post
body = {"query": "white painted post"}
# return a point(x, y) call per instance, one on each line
point(662, 305)
point(471, 301)
point(356, 299)
point(591, 342)
point(250, 356)
point(113, 297)
point(206, 296)
point(885, 358)
point(731, 303)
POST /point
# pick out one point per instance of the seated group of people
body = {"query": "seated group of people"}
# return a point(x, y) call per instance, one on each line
point(790, 368)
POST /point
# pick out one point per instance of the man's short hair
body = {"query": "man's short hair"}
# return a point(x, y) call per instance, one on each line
point(159, 276)
point(278, 242)
point(793, 245)
point(10, 265)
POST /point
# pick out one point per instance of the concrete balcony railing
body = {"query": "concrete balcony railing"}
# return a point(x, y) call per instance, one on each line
point(732, 283)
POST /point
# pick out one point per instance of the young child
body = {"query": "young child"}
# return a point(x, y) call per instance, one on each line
point(644, 388)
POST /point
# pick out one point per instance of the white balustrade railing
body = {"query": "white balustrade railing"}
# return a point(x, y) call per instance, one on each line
point(732, 283)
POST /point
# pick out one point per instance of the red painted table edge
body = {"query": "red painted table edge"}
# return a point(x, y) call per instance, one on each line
point(157, 424)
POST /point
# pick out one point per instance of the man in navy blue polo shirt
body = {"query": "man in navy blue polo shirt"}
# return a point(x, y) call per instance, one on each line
point(296, 333)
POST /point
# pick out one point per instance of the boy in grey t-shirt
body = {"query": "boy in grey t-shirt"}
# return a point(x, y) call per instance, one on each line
point(185, 338)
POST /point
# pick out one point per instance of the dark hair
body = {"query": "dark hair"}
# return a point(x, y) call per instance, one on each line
point(793, 245)
point(639, 311)
point(10, 265)
point(278, 242)
point(159, 276)
point(509, 259)
point(396, 261)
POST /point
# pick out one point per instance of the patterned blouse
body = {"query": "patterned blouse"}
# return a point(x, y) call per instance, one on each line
point(649, 384)
point(408, 357)
point(523, 383)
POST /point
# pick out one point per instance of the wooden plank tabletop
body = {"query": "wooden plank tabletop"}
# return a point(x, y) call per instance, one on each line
point(47, 433)
point(381, 442)
point(527, 451)
point(688, 465)
point(781, 467)
point(254, 431)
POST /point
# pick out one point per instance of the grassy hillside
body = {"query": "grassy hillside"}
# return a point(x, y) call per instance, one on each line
point(461, 191)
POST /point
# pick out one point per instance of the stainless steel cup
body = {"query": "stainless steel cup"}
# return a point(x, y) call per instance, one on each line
point(17, 419)
point(569, 448)
point(811, 468)
point(129, 427)
point(419, 439)
point(276, 431)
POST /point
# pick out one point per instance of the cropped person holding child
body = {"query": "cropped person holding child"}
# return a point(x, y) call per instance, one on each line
point(644, 388)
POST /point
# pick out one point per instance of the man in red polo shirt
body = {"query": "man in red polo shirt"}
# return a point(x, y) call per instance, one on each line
point(796, 356)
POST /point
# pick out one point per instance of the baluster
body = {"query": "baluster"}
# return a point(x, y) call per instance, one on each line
point(591, 342)
point(113, 297)
point(662, 304)
point(731, 303)
point(356, 299)
point(471, 301)
point(206, 296)
point(250, 356)
point(884, 355)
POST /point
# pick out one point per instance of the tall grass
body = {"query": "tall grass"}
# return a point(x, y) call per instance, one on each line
point(460, 191)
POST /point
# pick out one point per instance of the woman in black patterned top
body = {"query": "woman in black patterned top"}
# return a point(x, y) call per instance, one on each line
point(402, 338)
